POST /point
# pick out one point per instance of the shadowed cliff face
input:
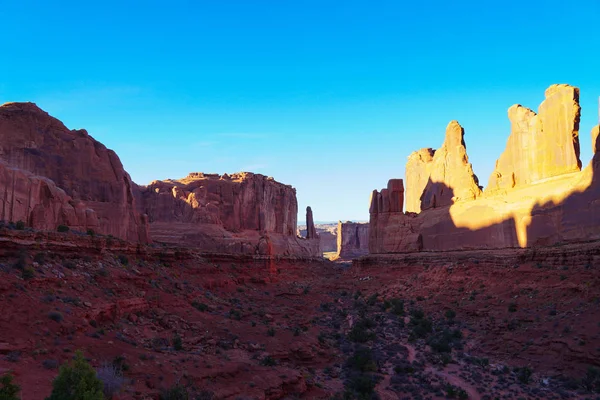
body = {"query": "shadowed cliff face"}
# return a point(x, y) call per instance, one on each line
point(88, 172)
point(544, 205)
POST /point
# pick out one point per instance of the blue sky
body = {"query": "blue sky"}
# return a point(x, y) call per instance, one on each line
point(328, 96)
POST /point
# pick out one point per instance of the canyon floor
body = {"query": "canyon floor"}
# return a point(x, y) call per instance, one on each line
point(430, 327)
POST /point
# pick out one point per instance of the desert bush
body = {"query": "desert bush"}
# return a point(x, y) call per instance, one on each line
point(20, 225)
point(123, 259)
point(77, 380)
point(175, 392)
point(8, 389)
point(55, 316)
point(177, 343)
point(62, 228)
point(360, 332)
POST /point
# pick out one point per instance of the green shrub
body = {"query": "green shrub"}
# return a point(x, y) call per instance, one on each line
point(28, 273)
point(55, 316)
point(62, 228)
point(362, 360)
point(523, 374)
point(397, 307)
point(360, 332)
point(77, 381)
point(268, 361)
point(8, 389)
point(177, 343)
point(91, 232)
point(450, 314)
point(123, 259)
point(199, 306)
point(20, 225)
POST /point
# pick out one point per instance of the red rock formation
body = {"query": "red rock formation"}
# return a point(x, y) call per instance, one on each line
point(225, 214)
point(37, 202)
point(451, 176)
point(352, 239)
point(540, 145)
point(540, 205)
point(418, 169)
point(86, 170)
point(311, 231)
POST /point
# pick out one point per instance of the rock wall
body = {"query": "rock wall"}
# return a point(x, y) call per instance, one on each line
point(39, 203)
point(540, 145)
point(242, 213)
point(547, 200)
point(352, 239)
point(91, 176)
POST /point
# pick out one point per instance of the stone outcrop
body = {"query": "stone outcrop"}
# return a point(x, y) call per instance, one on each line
point(352, 239)
point(542, 204)
point(242, 213)
point(418, 170)
point(540, 145)
point(451, 176)
point(98, 193)
point(311, 231)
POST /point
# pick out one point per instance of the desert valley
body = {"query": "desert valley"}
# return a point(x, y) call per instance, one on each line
point(204, 287)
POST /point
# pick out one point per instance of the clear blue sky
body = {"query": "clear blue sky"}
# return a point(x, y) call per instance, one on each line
point(328, 96)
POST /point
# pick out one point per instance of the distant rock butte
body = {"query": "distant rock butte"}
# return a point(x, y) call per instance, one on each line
point(538, 196)
point(352, 239)
point(53, 175)
point(242, 213)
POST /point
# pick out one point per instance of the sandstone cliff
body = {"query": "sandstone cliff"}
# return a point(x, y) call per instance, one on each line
point(242, 213)
point(545, 200)
point(91, 176)
point(418, 170)
point(540, 145)
point(352, 239)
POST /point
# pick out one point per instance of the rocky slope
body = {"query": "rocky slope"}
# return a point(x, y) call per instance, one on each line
point(506, 324)
point(537, 198)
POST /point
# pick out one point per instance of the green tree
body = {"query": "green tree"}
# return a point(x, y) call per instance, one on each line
point(77, 381)
point(8, 390)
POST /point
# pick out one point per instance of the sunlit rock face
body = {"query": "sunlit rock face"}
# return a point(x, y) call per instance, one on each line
point(418, 170)
point(451, 176)
point(98, 193)
point(242, 213)
point(538, 196)
point(540, 145)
